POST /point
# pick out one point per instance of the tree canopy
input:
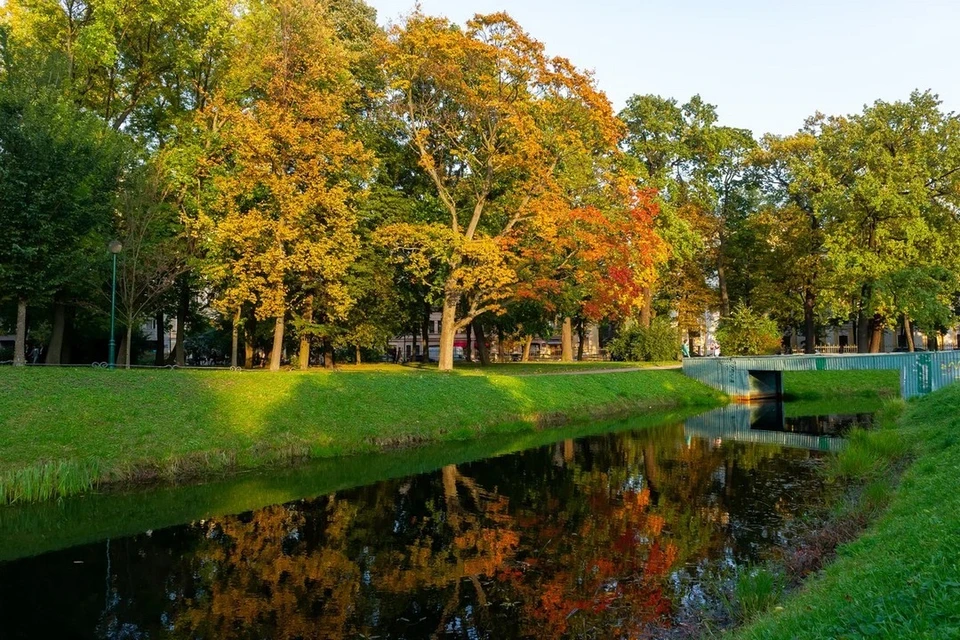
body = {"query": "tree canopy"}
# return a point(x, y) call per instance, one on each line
point(293, 173)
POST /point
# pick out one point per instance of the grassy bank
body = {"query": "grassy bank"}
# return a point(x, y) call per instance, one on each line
point(901, 579)
point(64, 431)
point(28, 529)
point(825, 385)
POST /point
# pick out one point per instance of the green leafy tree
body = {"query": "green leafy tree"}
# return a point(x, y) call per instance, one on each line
point(59, 170)
point(891, 190)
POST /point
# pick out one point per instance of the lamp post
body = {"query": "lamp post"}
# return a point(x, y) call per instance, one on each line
point(115, 247)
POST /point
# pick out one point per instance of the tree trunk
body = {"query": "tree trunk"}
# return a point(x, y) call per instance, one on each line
point(120, 356)
point(249, 327)
point(425, 334)
point(448, 331)
point(863, 320)
point(876, 333)
point(863, 333)
point(933, 341)
point(908, 333)
point(526, 349)
point(358, 353)
point(722, 278)
point(304, 356)
point(183, 307)
point(481, 344)
point(55, 348)
point(20, 342)
point(277, 351)
point(65, 351)
point(327, 354)
point(646, 312)
point(129, 342)
point(158, 343)
point(566, 341)
point(581, 334)
point(809, 325)
point(235, 339)
point(468, 354)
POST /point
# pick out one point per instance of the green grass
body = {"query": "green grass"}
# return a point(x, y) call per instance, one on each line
point(65, 431)
point(848, 385)
point(901, 579)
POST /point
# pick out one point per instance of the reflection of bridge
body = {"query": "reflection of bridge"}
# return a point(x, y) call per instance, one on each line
point(753, 378)
point(763, 423)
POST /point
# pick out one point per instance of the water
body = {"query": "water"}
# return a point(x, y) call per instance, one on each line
point(610, 535)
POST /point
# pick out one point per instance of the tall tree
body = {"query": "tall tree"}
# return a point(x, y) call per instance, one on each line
point(59, 169)
point(490, 117)
point(793, 273)
point(889, 202)
point(288, 168)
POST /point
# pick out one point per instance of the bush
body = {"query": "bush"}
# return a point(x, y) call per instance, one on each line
point(658, 343)
point(745, 333)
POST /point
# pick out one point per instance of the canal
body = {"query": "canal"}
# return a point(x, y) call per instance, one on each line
point(625, 532)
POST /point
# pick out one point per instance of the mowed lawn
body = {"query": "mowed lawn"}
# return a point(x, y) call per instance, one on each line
point(121, 424)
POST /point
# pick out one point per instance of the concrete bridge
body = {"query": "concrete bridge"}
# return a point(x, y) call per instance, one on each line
point(761, 377)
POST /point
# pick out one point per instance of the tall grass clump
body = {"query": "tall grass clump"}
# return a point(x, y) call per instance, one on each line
point(46, 480)
point(871, 453)
point(756, 590)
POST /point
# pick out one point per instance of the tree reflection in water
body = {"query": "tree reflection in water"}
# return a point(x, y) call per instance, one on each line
point(599, 537)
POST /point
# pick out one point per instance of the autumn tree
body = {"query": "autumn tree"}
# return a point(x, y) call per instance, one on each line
point(287, 170)
point(489, 116)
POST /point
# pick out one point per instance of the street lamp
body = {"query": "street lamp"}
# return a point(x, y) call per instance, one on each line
point(114, 247)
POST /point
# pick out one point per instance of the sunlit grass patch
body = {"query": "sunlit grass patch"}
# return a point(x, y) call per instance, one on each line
point(174, 425)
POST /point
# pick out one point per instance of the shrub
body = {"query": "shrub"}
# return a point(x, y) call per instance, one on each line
point(658, 343)
point(746, 333)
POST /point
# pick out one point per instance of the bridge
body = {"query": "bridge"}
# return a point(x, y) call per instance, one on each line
point(761, 377)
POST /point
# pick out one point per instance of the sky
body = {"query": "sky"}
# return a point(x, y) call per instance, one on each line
point(766, 64)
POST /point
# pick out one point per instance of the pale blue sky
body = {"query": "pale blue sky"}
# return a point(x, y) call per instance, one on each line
point(766, 64)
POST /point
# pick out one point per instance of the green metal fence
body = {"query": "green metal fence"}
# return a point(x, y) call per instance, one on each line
point(749, 378)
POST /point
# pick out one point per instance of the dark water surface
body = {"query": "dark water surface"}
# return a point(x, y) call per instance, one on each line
point(610, 535)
